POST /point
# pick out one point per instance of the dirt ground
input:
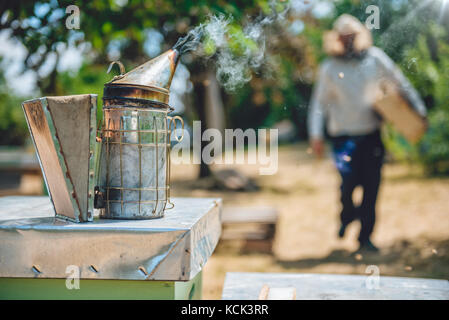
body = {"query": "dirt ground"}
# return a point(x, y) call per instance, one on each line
point(412, 227)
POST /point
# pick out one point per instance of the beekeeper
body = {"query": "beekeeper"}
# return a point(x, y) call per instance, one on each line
point(343, 98)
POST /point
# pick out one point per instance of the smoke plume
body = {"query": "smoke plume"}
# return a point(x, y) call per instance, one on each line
point(237, 52)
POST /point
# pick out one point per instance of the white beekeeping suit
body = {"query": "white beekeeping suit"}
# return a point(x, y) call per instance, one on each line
point(345, 90)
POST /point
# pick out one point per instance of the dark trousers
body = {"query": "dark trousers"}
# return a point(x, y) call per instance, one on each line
point(359, 161)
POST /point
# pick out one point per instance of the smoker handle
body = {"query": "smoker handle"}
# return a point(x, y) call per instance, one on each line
point(173, 123)
point(122, 70)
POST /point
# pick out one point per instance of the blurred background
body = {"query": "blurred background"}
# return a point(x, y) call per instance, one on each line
point(295, 210)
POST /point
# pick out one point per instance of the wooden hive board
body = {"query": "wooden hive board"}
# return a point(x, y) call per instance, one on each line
point(395, 109)
point(252, 223)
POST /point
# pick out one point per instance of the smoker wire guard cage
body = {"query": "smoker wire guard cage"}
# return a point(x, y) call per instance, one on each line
point(131, 127)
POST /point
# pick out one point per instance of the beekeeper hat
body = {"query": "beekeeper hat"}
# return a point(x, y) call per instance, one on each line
point(345, 25)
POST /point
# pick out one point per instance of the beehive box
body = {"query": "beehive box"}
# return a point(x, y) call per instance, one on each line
point(396, 109)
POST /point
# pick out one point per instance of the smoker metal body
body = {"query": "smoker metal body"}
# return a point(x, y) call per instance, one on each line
point(135, 134)
point(135, 162)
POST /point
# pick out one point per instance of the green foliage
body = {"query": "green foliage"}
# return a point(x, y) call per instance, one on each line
point(238, 42)
point(90, 79)
point(434, 148)
point(101, 22)
point(398, 146)
point(13, 127)
point(209, 46)
point(427, 71)
point(283, 87)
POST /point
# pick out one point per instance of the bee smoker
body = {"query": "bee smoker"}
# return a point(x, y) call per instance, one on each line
point(135, 141)
point(122, 167)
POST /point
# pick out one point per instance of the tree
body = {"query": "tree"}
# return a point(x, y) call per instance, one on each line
point(41, 27)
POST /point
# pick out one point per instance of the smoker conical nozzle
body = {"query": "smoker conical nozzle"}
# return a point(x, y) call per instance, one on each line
point(150, 81)
point(157, 72)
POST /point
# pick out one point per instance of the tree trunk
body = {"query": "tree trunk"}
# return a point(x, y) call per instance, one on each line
point(214, 104)
point(210, 110)
point(200, 106)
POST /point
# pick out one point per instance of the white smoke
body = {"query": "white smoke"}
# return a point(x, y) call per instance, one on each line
point(216, 29)
point(234, 68)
